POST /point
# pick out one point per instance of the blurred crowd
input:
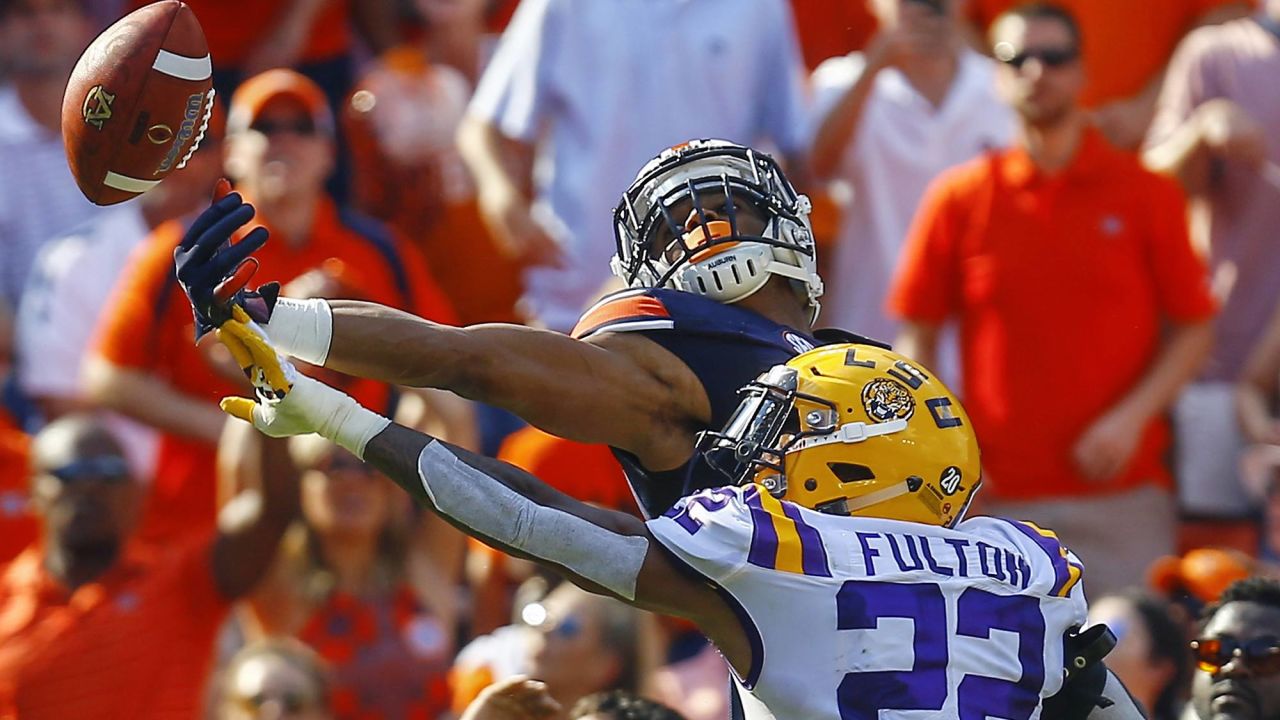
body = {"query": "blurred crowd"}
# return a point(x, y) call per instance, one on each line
point(1068, 211)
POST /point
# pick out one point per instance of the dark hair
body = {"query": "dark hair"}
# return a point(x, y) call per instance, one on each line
point(1168, 642)
point(1046, 11)
point(622, 705)
point(1260, 590)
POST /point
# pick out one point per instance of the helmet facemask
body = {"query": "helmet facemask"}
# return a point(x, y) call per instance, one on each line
point(715, 219)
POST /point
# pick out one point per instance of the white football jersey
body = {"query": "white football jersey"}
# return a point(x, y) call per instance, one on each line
point(861, 618)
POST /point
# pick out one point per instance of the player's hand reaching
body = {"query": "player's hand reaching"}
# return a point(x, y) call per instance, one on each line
point(287, 402)
point(214, 272)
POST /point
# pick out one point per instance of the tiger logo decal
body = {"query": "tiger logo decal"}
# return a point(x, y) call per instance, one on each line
point(886, 400)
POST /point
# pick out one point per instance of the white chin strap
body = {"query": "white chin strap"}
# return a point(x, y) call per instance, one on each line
point(850, 433)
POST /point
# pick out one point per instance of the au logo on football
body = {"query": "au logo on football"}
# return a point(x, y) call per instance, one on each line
point(97, 106)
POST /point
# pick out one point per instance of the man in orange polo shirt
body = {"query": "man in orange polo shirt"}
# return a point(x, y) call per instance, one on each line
point(92, 625)
point(17, 523)
point(1129, 46)
point(280, 150)
point(1061, 259)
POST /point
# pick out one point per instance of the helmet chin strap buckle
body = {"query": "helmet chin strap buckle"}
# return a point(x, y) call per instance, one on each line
point(855, 432)
point(860, 431)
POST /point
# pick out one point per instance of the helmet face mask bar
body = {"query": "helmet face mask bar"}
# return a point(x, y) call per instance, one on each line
point(726, 253)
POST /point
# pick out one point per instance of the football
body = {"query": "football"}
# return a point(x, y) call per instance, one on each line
point(138, 102)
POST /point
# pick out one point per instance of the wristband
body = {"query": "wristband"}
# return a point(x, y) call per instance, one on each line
point(302, 329)
point(346, 422)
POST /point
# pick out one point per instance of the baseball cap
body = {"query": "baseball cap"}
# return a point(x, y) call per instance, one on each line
point(1202, 573)
point(253, 95)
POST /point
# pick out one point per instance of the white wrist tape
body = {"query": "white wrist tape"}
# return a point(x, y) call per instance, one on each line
point(302, 329)
point(489, 507)
point(339, 417)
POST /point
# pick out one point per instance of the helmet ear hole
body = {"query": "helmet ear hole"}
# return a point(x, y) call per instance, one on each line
point(810, 484)
point(851, 472)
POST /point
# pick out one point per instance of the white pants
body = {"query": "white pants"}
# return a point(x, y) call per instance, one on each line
point(1207, 448)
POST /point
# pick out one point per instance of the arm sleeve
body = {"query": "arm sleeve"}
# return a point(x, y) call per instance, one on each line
point(513, 94)
point(124, 329)
point(925, 287)
point(711, 531)
point(1182, 280)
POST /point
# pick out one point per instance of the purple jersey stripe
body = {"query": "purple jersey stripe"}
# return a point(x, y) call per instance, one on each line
point(1052, 548)
point(764, 538)
point(812, 553)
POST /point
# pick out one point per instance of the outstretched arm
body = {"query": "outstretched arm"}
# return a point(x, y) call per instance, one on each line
point(616, 389)
point(620, 390)
point(603, 551)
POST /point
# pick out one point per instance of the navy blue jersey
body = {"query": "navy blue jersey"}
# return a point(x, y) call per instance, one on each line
point(726, 347)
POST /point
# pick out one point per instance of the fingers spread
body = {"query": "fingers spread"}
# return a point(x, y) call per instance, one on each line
point(213, 214)
point(211, 239)
point(235, 281)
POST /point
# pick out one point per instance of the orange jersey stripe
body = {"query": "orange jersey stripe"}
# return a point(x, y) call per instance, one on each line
point(632, 307)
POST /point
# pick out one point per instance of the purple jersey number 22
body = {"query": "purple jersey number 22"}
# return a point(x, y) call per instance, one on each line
point(861, 603)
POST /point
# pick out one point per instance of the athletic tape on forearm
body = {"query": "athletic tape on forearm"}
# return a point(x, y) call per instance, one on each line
point(301, 328)
point(489, 507)
point(345, 421)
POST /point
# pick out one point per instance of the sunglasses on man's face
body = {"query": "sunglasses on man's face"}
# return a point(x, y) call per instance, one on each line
point(301, 126)
point(1261, 655)
point(1049, 57)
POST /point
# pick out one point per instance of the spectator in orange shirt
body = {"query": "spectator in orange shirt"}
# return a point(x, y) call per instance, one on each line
point(342, 584)
point(17, 523)
point(400, 122)
point(1129, 43)
point(94, 625)
point(146, 366)
point(1061, 258)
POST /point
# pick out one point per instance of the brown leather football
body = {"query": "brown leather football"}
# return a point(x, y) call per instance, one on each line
point(138, 102)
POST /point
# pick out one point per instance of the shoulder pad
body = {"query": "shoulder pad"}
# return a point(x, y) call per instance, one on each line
point(623, 311)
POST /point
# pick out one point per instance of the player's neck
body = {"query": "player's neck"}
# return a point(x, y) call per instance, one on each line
point(777, 301)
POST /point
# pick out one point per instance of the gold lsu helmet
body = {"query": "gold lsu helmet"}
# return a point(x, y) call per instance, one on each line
point(852, 429)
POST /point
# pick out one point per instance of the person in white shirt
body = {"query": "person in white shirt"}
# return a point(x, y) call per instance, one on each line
point(886, 122)
point(595, 88)
point(40, 41)
point(72, 279)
